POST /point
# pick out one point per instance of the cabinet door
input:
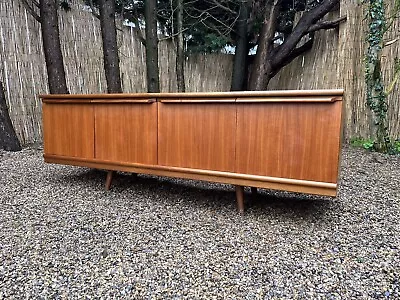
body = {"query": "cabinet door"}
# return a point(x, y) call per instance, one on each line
point(126, 132)
point(197, 135)
point(289, 140)
point(68, 129)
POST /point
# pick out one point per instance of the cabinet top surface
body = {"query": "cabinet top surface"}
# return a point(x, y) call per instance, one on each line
point(275, 95)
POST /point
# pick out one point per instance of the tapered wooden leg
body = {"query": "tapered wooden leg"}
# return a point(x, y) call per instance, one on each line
point(109, 179)
point(240, 198)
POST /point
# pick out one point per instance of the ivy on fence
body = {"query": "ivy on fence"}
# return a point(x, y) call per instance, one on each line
point(378, 25)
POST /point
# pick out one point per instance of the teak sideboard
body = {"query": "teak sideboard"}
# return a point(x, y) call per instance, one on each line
point(284, 140)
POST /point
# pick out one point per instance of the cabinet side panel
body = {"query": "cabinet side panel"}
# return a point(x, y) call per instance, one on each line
point(126, 132)
point(289, 140)
point(197, 135)
point(68, 130)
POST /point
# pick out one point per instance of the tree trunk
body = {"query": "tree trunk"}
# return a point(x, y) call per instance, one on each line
point(239, 72)
point(8, 139)
point(303, 27)
point(52, 47)
point(269, 59)
point(180, 56)
point(262, 66)
point(150, 14)
point(110, 48)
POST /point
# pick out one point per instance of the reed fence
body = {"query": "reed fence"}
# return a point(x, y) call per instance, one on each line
point(336, 61)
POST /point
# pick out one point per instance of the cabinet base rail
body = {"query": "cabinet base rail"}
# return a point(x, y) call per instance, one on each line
point(237, 179)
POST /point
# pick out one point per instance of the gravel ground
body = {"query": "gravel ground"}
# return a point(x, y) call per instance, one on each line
point(63, 237)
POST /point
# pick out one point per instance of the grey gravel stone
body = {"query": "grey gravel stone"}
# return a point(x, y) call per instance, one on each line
point(63, 237)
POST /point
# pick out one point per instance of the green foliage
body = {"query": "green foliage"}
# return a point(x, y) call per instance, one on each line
point(367, 144)
point(396, 146)
point(208, 26)
point(376, 97)
point(64, 4)
point(376, 93)
point(370, 145)
point(207, 43)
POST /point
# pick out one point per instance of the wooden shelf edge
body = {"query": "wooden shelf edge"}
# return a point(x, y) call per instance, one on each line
point(272, 93)
point(288, 99)
point(97, 101)
point(193, 100)
point(210, 100)
point(122, 101)
point(66, 101)
point(292, 185)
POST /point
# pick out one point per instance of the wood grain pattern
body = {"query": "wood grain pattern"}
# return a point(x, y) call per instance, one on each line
point(86, 100)
point(109, 178)
point(126, 132)
point(289, 140)
point(199, 136)
point(297, 99)
point(68, 130)
point(209, 95)
point(291, 185)
point(198, 100)
point(240, 198)
point(286, 140)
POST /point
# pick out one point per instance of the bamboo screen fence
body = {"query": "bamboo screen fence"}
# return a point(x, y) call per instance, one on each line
point(23, 70)
point(352, 47)
point(336, 61)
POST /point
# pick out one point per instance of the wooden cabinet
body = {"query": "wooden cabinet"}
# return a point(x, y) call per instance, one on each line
point(197, 136)
point(126, 132)
point(287, 140)
point(68, 129)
